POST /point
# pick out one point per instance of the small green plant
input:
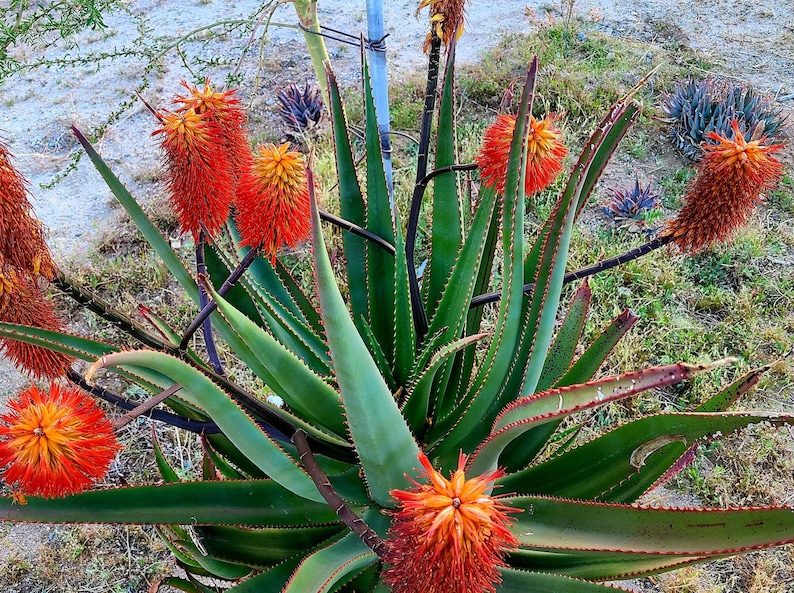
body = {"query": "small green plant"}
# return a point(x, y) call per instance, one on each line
point(408, 444)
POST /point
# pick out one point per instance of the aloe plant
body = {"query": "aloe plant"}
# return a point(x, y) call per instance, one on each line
point(390, 390)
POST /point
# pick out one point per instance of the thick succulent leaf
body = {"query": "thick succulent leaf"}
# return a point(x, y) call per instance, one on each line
point(273, 579)
point(461, 372)
point(449, 320)
point(622, 464)
point(261, 547)
point(380, 220)
point(404, 328)
point(307, 394)
point(599, 531)
point(228, 571)
point(589, 564)
point(338, 561)
point(563, 348)
point(554, 404)
point(251, 502)
point(240, 429)
point(447, 234)
point(725, 398)
point(351, 203)
point(593, 357)
point(268, 311)
point(471, 417)
point(522, 581)
point(387, 456)
point(488, 382)
point(417, 405)
point(166, 471)
point(548, 273)
point(153, 236)
point(378, 355)
point(221, 465)
point(524, 449)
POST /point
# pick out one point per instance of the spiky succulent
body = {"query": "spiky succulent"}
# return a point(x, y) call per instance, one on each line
point(696, 108)
point(631, 203)
point(412, 435)
point(300, 109)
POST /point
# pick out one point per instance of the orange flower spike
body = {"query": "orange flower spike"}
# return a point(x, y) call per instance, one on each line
point(273, 202)
point(199, 180)
point(22, 302)
point(448, 536)
point(446, 17)
point(545, 153)
point(227, 111)
point(727, 188)
point(22, 236)
point(55, 444)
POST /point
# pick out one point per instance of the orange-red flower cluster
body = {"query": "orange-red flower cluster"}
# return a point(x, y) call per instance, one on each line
point(545, 153)
point(446, 17)
point(730, 179)
point(54, 444)
point(206, 152)
point(448, 536)
point(25, 261)
point(273, 203)
point(22, 243)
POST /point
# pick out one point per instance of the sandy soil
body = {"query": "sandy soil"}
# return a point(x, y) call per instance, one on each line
point(754, 41)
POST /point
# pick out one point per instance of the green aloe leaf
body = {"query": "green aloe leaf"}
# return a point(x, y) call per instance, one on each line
point(447, 233)
point(404, 328)
point(622, 464)
point(228, 571)
point(593, 357)
point(417, 406)
point(449, 320)
point(725, 398)
point(554, 404)
point(252, 502)
point(387, 456)
point(380, 220)
point(264, 546)
point(340, 560)
point(599, 533)
point(153, 236)
point(307, 394)
point(564, 346)
point(487, 384)
point(352, 206)
point(238, 427)
point(522, 581)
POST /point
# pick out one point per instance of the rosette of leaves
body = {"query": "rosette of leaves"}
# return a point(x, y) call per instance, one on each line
point(298, 498)
point(695, 108)
point(632, 203)
point(301, 110)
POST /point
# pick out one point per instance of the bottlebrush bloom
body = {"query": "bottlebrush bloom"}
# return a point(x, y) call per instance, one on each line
point(22, 243)
point(545, 153)
point(199, 177)
point(55, 443)
point(446, 17)
point(726, 190)
point(273, 202)
point(22, 302)
point(225, 109)
point(448, 536)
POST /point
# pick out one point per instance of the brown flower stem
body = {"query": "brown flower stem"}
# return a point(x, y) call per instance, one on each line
point(344, 512)
point(357, 230)
point(209, 340)
point(101, 307)
point(595, 268)
point(419, 313)
point(150, 403)
point(209, 307)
